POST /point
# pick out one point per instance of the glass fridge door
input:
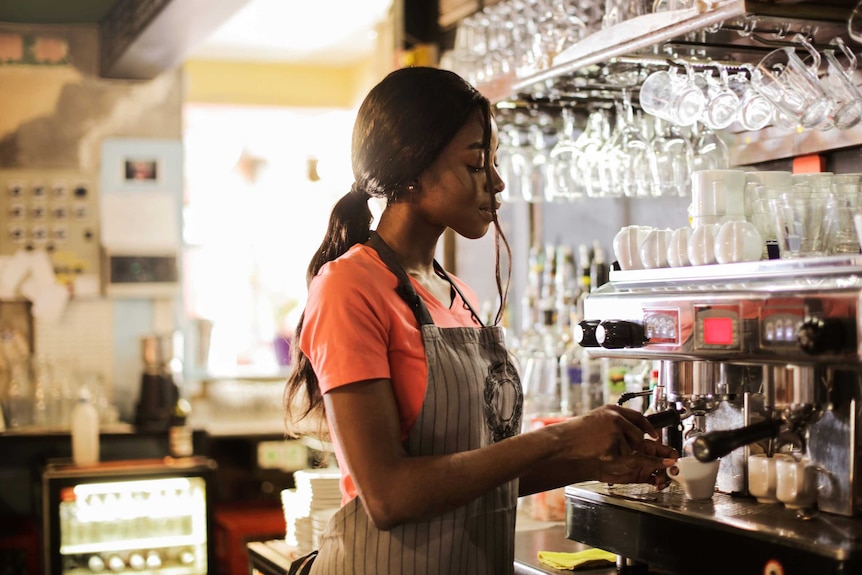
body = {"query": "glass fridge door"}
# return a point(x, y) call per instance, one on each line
point(156, 521)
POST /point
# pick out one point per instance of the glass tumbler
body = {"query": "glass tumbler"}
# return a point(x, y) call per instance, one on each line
point(799, 224)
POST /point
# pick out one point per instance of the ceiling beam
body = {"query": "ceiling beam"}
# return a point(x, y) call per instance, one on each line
point(140, 39)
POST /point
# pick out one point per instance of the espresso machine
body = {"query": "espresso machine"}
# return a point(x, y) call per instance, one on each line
point(756, 357)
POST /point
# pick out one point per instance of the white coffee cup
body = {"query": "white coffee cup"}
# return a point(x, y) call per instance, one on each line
point(701, 245)
point(697, 478)
point(717, 193)
point(627, 244)
point(763, 476)
point(738, 241)
point(796, 483)
point(653, 249)
point(677, 248)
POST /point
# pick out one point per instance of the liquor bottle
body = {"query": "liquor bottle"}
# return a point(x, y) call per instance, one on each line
point(180, 433)
point(584, 263)
point(599, 271)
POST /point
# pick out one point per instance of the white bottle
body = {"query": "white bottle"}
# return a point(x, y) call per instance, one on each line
point(85, 431)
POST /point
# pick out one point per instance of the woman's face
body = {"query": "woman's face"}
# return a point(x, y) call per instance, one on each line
point(452, 191)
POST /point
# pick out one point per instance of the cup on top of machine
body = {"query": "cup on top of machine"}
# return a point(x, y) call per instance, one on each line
point(738, 241)
point(627, 244)
point(697, 478)
point(701, 244)
point(653, 249)
point(716, 196)
point(677, 248)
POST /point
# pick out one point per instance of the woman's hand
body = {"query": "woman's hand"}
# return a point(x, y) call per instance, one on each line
point(647, 465)
point(607, 432)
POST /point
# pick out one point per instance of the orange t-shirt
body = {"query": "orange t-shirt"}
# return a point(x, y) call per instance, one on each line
point(357, 327)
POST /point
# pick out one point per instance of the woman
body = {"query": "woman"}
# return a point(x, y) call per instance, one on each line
point(421, 401)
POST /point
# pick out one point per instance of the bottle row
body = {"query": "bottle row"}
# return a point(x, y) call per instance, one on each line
point(140, 516)
point(139, 560)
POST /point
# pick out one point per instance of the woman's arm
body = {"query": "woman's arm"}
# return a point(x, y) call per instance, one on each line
point(395, 487)
point(637, 467)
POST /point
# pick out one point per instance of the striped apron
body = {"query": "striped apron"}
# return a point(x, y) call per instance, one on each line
point(473, 400)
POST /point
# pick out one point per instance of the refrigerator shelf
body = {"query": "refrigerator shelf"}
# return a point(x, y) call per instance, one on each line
point(133, 544)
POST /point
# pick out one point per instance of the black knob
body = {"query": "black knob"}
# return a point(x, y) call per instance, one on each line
point(817, 335)
point(617, 334)
point(667, 418)
point(585, 333)
point(710, 446)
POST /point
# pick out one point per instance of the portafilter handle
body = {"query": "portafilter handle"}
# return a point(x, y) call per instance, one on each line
point(710, 446)
point(667, 418)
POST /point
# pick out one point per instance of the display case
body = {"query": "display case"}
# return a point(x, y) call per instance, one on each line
point(125, 516)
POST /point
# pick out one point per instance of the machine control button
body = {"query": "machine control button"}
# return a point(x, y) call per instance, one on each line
point(618, 334)
point(661, 326)
point(585, 333)
point(817, 335)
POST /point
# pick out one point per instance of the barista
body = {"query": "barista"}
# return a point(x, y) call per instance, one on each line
point(421, 399)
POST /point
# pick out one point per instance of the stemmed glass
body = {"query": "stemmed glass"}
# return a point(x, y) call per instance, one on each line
point(521, 165)
point(564, 162)
point(673, 159)
point(541, 186)
point(608, 160)
point(635, 153)
point(507, 158)
point(710, 151)
point(590, 142)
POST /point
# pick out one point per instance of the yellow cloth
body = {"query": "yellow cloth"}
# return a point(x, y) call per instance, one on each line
point(587, 559)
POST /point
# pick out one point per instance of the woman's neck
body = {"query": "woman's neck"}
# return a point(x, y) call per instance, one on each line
point(414, 243)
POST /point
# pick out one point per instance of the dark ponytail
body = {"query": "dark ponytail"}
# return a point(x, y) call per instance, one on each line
point(349, 224)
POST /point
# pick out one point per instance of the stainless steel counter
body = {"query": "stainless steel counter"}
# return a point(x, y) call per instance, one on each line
point(725, 534)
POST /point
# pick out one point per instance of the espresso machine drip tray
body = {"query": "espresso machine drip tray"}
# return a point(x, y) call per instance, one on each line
point(725, 534)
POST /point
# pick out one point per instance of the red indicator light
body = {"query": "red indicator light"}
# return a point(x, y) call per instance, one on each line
point(718, 331)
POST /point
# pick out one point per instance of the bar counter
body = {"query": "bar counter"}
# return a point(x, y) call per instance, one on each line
point(273, 557)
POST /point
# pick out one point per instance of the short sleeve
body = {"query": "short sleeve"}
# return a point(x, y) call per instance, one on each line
point(345, 332)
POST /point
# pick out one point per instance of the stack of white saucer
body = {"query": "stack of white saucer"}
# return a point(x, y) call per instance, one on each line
point(308, 507)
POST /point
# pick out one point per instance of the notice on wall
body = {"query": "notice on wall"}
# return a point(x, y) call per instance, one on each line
point(140, 221)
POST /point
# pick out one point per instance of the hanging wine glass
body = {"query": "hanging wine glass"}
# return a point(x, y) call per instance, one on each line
point(710, 151)
point(541, 187)
point(634, 153)
point(563, 162)
point(521, 159)
point(590, 142)
point(610, 158)
point(673, 157)
point(507, 157)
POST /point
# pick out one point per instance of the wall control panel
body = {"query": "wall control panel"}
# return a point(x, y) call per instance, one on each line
point(54, 210)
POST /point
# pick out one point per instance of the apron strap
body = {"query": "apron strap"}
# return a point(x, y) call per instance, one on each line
point(405, 287)
point(443, 273)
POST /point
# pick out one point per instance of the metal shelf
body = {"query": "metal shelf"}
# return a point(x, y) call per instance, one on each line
point(734, 31)
point(846, 269)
